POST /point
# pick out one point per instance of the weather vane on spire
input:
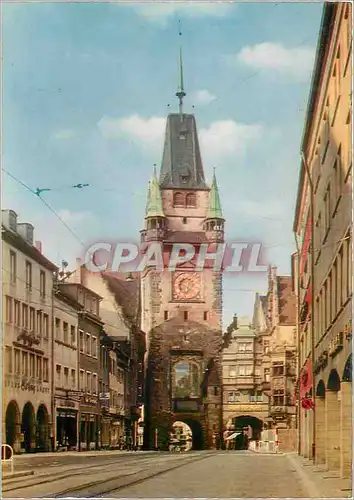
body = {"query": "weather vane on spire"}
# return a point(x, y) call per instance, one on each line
point(180, 92)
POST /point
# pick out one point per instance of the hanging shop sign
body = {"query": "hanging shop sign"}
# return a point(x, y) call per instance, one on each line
point(67, 403)
point(348, 330)
point(306, 378)
point(91, 400)
point(336, 345)
point(321, 362)
point(307, 403)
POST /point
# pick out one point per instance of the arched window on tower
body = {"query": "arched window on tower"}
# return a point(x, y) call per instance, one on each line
point(178, 200)
point(191, 200)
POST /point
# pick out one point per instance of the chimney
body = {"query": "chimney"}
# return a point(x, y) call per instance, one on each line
point(38, 245)
point(78, 273)
point(235, 322)
point(25, 230)
point(9, 219)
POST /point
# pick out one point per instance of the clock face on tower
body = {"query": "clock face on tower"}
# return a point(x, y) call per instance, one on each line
point(186, 286)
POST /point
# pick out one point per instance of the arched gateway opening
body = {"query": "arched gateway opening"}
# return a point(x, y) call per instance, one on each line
point(186, 436)
point(42, 437)
point(252, 426)
point(12, 423)
point(28, 427)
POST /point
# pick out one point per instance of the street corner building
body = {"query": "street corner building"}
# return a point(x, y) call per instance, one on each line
point(323, 264)
point(182, 310)
point(28, 419)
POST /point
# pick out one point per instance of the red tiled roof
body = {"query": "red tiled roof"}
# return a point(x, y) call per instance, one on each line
point(126, 293)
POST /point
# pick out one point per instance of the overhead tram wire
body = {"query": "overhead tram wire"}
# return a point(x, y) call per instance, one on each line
point(83, 244)
point(47, 205)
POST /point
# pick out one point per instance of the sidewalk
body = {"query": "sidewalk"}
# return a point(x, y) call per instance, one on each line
point(319, 481)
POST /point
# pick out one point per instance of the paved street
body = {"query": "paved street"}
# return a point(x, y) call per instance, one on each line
point(157, 475)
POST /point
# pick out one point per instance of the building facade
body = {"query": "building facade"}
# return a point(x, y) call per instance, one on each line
point(260, 365)
point(125, 344)
point(66, 370)
point(90, 328)
point(275, 320)
point(323, 223)
point(27, 339)
point(181, 310)
point(244, 401)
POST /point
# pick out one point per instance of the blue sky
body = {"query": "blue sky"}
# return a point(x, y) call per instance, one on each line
point(85, 95)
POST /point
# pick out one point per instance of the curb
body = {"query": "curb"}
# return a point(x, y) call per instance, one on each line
point(308, 483)
point(266, 452)
point(17, 474)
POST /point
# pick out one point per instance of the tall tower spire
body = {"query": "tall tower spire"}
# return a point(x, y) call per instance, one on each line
point(180, 89)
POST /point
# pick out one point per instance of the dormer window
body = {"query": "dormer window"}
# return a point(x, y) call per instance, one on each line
point(184, 178)
point(183, 134)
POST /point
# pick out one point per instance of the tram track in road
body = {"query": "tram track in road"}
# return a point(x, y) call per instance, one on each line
point(94, 489)
point(33, 480)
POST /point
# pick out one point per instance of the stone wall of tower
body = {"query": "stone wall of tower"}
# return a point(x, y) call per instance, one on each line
point(217, 298)
point(170, 335)
point(151, 300)
point(211, 286)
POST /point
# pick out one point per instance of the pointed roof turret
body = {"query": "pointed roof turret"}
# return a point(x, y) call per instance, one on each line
point(214, 206)
point(154, 201)
point(180, 89)
point(259, 318)
point(182, 166)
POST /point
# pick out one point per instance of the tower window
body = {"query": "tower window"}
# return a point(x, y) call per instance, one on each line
point(205, 315)
point(185, 315)
point(184, 220)
point(165, 315)
point(178, 200)
point(191, 200)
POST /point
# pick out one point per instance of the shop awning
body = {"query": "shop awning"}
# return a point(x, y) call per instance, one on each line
point(233, 436)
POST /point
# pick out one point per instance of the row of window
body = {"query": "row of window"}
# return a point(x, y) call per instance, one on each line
point(245, 347)
point(116, 371)
point(28, 274)
point(242, 371)
point(65, 332)
point(65, 377)
point(184, 200)
point(186, 315)
point(88, 344)
point(88, 382)
point(26, 364)
point(89, 302)
point(235, 397)
point(116, 399)
point(335, 290)
point(28, 318)
point(333, 194)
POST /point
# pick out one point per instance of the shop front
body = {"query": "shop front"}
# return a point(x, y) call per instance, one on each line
point(117, 433)
point(66, 412)
point(90, 420)
point(105, 432)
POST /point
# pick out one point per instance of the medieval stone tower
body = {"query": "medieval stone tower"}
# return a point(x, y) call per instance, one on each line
point(182, 309)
